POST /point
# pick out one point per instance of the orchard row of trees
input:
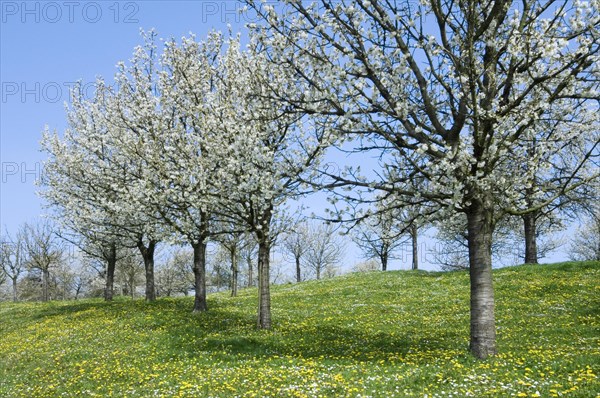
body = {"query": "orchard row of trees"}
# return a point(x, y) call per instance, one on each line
point(38, 264)
point(314, 251)
point(470, 111)
point(188, 149)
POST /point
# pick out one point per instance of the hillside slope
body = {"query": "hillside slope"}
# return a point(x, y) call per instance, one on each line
point(393, 334)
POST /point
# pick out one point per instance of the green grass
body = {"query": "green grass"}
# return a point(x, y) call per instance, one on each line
point(378, 334)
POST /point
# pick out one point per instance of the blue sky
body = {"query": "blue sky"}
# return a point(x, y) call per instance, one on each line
point(46, 46)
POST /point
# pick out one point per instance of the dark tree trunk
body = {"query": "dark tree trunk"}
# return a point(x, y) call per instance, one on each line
point(234, 271)
point(264, 293)
point(200, 276)
point(384, 259)
point(298, 271)
point(45, 283)
point(250, 271)
point(111, 262)
point(14, 289)
point(415, 246)
point(318, 269)
point(531, 255)
point(263, 235)
point(483, 327)
point(147, 253)
point(598, 237)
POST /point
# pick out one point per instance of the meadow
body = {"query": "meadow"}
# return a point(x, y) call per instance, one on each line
point(392, 334)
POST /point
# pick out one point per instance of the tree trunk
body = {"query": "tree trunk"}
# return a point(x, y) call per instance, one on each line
point(415, 246)
point(598, 237)
point(148, 256)
point(45, 283)
point(264, 293)
point(298, 271)
point(531, 256)
point(14, 289)
point(318, 269)
point(483, 327)
point(384, 259)
point(200, 276)
point(234, 271)
point(111, 262)
point(250, 271)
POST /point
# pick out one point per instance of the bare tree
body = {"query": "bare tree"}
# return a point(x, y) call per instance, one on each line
point(379, 236)
point(175, 275)
point(382, 233)
point(62, 280)
point(295, 244)
point(44, 250)
point(325, 249)
point(84, 276)
point(249, 255)
point(13, 258)
point(585, 245)
point(129, 272)
point(232, 243)
point(219, 269)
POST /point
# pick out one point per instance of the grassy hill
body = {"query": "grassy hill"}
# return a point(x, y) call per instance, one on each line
point(399, 334)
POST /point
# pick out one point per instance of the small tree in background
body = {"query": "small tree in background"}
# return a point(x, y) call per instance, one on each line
point(175, 274)
point(366, 266)
point(324, 251)
point(44, 251)
point(295, 245)
point(13, 258)
point(232, 243)
point(249, 255)
point(130, 272)
point(585, 244)
point(377, 240)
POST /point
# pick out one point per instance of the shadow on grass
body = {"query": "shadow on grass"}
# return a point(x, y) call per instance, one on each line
point(59, 308)
point(222, 333)
point(72, 308)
